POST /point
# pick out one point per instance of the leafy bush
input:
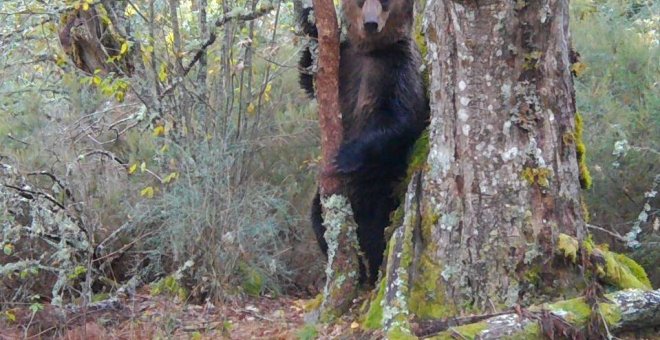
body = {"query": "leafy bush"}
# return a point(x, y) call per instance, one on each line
point(235, 232)
point(618, 95)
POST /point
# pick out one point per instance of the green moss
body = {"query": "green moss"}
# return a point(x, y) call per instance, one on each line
point(395, 312)
point(581, 151)
point(396, 220)
point(611, 313)
point(531, 60)
point(429, 221)
point(400, 334)
point(568, 246)
point(618, 270)
point(314, 303)
point(416, 160)
point(470, 332)
point(588, 245)
point(538, 176)
point(577, 311)
point(532, 275)
point(374, 316)
point(427, 297)
point(420, 39)
point(530, 332)
point(623, 272)
point(586, 216)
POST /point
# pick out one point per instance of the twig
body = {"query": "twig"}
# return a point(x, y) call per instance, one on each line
point(107, 154)
point(124, 248)
point(56, 180)
point(212, 37)
point(16, 139)
point(36, 193)
point(611, 233)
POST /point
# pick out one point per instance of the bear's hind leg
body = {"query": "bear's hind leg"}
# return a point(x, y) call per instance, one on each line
point(317, 223)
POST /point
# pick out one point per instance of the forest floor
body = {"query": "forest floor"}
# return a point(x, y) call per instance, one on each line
point(144, 316)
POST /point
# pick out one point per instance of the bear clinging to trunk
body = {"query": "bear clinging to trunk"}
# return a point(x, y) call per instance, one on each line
point(384, 110)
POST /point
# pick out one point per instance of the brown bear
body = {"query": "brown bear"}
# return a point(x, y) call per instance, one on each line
point(384, 110)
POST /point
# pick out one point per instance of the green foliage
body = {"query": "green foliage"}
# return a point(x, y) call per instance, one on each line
point(218, 170)
point(169, 286)
point(581, 150)
point(617, 95)
point(616, 269)
point(308, 332)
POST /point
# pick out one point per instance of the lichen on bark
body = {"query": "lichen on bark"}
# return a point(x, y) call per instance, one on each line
point(342, 267)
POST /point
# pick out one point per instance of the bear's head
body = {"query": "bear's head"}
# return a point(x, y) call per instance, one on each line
point(376, 24)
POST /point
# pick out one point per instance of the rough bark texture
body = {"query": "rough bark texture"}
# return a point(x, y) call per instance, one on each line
point(502, 178)
point(341, 237)
point(626, 310)
point(91, 43)
point(327, 83)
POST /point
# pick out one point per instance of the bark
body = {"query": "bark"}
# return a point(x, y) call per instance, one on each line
point(92, 44)
point(202, 86)
point(627, 310)
point(342, 266)
point(502, 179)
point(497, 218)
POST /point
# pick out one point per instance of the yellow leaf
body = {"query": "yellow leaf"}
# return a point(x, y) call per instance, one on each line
point(165, 148)
point(159, 131)
point(355, 325)
point(8, 249)
point(124, 48)
point(250, 108)
point(10, 316)
point(169, 39)
point(578, 68)
point(147, 192)
point(171, 177)
point(162, 74)
point(267, 91)
point(96, 80)
point(130, 11)
point(132, 169)
point(143, 167)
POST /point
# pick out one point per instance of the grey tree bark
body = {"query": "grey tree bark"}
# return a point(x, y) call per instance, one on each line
point(495, 210)
point(503, 178)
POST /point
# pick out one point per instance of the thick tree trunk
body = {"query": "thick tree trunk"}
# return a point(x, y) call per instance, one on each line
point(482, 224)
point(503, 178)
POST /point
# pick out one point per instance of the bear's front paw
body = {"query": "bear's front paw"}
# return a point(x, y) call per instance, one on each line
point(348, 160)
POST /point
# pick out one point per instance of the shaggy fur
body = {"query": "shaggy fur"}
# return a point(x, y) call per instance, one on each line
point(384, 110)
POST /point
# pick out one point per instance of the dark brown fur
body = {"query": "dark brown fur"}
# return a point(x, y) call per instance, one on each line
point(384, 110)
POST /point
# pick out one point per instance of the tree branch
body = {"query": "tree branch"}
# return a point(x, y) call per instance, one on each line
point(631, 309)
point(261, 11)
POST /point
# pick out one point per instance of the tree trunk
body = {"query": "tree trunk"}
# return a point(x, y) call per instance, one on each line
point(503, 178)
point(341, 236)
point(482, 219)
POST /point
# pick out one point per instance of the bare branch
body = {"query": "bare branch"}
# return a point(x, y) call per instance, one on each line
point(212, 37)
